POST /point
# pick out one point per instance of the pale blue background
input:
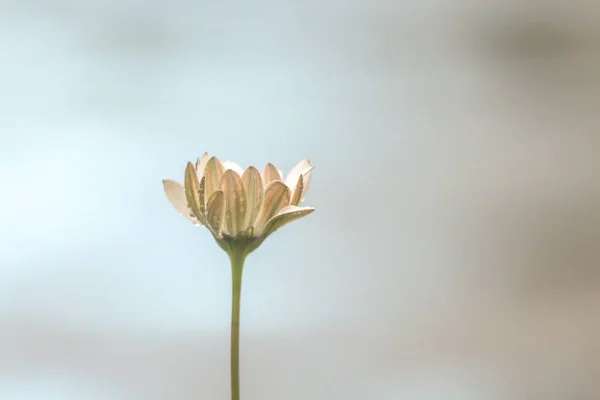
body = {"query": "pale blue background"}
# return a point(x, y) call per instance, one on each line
point(453, 253)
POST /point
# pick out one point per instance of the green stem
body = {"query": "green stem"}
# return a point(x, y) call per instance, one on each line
point(237, 266)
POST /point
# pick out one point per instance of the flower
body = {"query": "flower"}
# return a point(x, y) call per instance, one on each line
point(240, 208)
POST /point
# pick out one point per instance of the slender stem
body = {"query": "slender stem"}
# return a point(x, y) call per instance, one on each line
point(237, 266)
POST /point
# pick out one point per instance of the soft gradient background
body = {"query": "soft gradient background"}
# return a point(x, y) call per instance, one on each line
point(455, 250)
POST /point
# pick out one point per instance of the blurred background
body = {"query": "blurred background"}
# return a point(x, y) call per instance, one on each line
point(455, 250)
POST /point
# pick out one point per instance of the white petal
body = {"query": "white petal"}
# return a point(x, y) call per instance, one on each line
point(285, 216)
point(277, 196)
point(192, 192)
point(300, 168)
point(201, 164)
point(212, 173)
point(306, 176)
point(297, 191)
point(270, 174)
point(304, 170)
point(255, 194)
point(233, 166)
point(176, 195)
point(215, 210)
point(235, 202)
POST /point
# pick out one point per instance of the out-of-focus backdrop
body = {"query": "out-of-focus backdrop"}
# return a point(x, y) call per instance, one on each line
point(455, 250)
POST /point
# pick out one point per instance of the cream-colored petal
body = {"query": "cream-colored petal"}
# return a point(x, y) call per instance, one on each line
point(176, 195)
point(270, 174)
point(285, 216)
point(235, 202)
point(201, 164)
point(306, 175)
point(215, 212)
point(297, 191)
point(292, 176)
point(255, 194)
point(233, 166)
point(201, 195)
point(212, 173)
point(277, 196)
point(192, 192)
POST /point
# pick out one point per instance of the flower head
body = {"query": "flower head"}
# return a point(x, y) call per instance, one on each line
point(240, 208)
